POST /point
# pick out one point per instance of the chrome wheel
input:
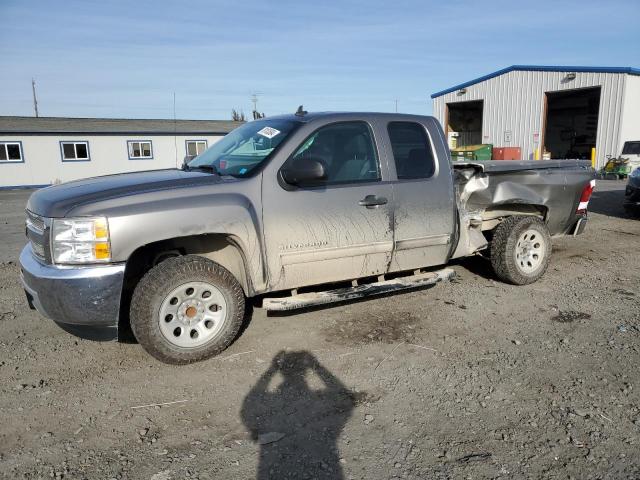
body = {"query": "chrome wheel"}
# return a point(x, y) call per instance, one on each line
point(530, 251)
point(192, 314)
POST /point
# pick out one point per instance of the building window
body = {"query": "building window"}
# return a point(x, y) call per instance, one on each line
point(11, 152)
point(196, 147)
point(75, 151)
point(140, 149)
point(411, 150)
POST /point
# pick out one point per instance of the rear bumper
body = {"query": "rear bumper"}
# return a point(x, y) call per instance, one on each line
point(579, 226)
point(74, 297)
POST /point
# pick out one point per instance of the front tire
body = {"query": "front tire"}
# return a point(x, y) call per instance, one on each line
point(520, 250)
point(186, 309)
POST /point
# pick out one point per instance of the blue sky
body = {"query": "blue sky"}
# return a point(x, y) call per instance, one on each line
point(126, 58)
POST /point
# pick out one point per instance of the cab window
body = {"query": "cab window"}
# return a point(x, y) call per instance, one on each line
point(347, 151)
point(412, 150)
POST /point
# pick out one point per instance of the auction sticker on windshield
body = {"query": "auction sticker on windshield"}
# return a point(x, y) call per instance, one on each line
point(268, 132)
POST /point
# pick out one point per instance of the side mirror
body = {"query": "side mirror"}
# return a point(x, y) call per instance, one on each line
point(304, 171)
point(186, 160)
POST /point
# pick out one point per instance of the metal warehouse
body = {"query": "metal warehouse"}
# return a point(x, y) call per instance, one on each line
point(38, 151)
point(548, 112)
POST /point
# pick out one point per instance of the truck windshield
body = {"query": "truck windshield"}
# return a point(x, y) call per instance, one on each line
point(245, 148)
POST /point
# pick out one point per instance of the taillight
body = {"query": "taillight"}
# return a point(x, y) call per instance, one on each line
point(223, 164)
point(585, 197)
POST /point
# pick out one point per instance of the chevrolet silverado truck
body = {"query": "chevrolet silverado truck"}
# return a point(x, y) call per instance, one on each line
point(293, 211)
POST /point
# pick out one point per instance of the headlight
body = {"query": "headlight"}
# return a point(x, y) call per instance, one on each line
point(80, 240)
point(636, 173)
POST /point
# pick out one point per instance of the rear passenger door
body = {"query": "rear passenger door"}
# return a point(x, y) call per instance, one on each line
point(424, 204)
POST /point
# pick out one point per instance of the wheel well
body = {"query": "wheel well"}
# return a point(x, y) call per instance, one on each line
point(495, 215)
point(216, 247)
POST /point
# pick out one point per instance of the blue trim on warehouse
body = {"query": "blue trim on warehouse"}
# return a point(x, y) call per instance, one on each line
point(540, 68)
point(74, 160)
point(140, 141)
point(9, 162)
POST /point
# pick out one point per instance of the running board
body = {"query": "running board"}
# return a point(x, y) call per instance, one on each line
point(311, 299)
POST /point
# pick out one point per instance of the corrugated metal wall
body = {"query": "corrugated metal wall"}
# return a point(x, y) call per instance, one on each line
point(515, 102)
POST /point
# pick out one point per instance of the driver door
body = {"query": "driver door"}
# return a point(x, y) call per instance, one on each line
point(337, 229)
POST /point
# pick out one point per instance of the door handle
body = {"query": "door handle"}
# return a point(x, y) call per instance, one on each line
point(372, 201)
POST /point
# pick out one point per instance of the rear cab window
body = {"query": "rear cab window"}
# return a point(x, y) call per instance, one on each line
point(412, 151)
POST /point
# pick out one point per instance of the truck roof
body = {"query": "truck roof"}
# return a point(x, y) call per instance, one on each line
point(310, 116)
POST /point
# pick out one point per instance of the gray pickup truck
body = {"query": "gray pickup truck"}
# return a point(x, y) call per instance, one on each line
point(361, 203)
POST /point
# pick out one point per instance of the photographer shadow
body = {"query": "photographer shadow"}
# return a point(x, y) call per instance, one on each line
point(296, 424)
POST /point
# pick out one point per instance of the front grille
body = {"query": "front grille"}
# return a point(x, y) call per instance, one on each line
point(37, 234)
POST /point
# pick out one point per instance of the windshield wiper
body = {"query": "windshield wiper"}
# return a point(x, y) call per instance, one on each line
point(207, 168)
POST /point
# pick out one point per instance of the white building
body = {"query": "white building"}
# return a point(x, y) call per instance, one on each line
point(42, 151)
point(556, 112)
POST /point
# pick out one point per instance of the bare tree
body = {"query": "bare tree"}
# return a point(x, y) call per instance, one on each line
point(237, 116)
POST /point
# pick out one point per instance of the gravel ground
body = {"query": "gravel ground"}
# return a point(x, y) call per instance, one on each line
point(473, 379)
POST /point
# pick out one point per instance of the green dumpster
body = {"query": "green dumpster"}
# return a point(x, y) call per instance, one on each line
point(472, 153)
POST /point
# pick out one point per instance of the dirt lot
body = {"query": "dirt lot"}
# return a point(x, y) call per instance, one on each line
point(474, 379)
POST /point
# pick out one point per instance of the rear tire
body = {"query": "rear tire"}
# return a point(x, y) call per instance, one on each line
point(520, 250)
point(186, 309)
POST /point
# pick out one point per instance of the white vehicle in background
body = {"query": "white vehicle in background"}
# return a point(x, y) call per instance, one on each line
point(623, 165)
point(631, 151)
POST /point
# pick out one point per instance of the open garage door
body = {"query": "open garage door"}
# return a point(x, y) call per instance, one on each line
point(465, 119)
point(572, 123)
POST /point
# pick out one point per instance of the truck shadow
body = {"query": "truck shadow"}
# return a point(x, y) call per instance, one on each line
point(478, 265)
point(609, 202)
point(298, 421)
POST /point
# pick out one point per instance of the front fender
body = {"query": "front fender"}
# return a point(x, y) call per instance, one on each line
point(136, 221)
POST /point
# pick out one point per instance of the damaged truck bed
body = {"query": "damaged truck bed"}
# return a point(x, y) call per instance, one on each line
point(289, 209)
point(556, 190)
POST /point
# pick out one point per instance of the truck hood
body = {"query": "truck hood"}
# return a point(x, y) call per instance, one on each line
point(58, 200)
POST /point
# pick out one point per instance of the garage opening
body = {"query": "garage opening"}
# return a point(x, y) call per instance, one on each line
point(464, 123)
point(572, 123)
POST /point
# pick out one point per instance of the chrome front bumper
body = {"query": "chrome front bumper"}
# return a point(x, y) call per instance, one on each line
point(74, 296)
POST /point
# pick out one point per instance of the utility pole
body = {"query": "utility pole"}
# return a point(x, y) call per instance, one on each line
point(254, 100)
point(35, 99)
point(175, 128)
